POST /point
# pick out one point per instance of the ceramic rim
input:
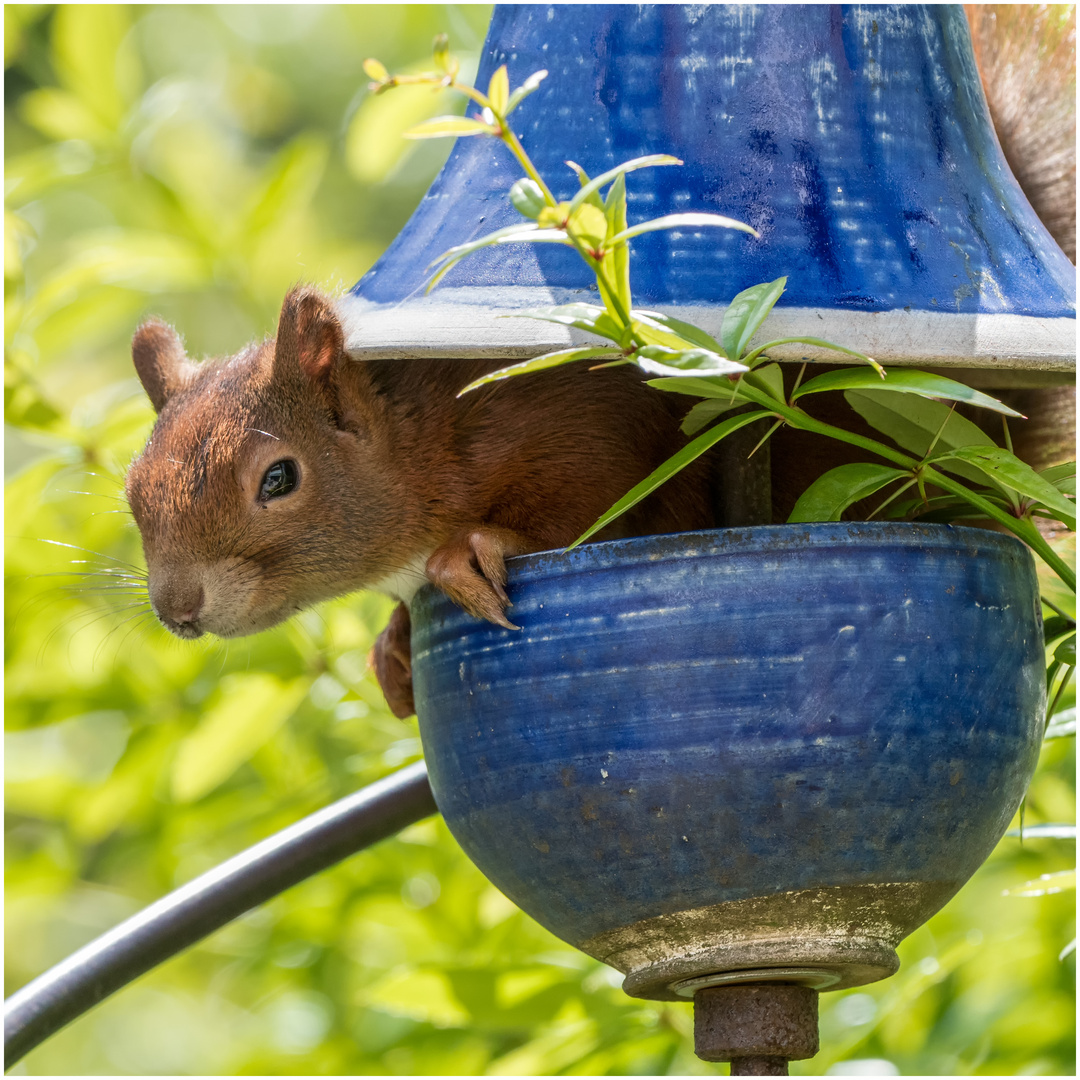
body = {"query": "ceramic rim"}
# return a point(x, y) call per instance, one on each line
point(814, 978)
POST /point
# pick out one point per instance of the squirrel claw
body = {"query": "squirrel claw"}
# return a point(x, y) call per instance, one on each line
point(471, 570)
point(502, 620)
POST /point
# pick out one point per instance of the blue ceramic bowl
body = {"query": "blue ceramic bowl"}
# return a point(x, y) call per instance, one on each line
point(739, 751)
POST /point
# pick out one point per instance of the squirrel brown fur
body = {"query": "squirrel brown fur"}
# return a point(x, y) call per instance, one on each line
point(289, 474)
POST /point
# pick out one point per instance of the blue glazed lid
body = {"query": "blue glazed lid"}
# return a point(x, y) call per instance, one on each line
point(856, 139)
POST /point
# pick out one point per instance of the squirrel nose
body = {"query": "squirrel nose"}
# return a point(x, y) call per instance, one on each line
point(192, 614)
point(178, 605)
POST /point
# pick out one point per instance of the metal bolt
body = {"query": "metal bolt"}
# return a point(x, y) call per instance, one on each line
point(759, 1066)
point(758, 1027)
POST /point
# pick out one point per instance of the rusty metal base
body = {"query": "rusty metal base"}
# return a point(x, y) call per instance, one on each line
point(758, 1028)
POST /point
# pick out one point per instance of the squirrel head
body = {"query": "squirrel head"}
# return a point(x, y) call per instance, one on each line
point(252, 494)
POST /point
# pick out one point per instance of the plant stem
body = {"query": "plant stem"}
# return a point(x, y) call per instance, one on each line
point(1057, 696)
point(596, 266)
point(895, 495)
point(1057, 611)
point(611, 297)
point(803, 421)
point(940, 431)
point(515, 147)
point(462, 88)
point(798, 382)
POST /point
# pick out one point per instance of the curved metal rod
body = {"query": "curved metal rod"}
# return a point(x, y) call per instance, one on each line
point(201, 906)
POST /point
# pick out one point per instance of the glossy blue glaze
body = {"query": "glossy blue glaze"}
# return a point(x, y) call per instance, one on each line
point(687, 720)
point(855, 138)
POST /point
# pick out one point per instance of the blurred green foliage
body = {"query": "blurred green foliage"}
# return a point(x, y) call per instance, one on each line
point(193, 162)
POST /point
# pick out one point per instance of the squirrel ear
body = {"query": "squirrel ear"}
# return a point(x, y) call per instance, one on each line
point(160, 361)
point(309, 335)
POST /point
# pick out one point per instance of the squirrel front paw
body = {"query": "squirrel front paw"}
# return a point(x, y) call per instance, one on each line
point(471, 570)
point(391, 657)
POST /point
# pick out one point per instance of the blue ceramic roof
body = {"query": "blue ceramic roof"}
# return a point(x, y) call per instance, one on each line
point(855, 139)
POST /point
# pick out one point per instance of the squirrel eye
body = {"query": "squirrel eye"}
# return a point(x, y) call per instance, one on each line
point(279, 480)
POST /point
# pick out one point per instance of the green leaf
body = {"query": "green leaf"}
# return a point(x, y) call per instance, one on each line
point(1009, 471)
point(617, 256)
point(512, 234)
point(902, 381)
point(61, 115)
point(375, 71)
point(248, 710)
point(1054, 590)
point(499, 91)
point(745, 314)
point(583, 179)
point(440, 126)
point(527, 198)
point(646, 332)
point(1045, 884)
point(687, 331)
point(724, 389)
point(539, 363)
point(582, 316)
point(676, 221)
point(90, 58)
point(524, 90)
point(554, 217)
point(705, 412)
point(1056, 626)
point(627, 166)
point(1063, 477)
point(821, 343)
point(374, 148)
point(660, 360)
point(831, 494)
point(914, 422)
point(948, 513)
point(424, 996)
point(145, 261)
point(589, 224)
point(1062, 725)
point(769, 378)
point(1046, 832)
point(440, 52)
point(24, 403)
point(290, 181)
point(674, 464)
point(1065, 653)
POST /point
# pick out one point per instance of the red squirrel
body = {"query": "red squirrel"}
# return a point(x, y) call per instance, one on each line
point(289, 474)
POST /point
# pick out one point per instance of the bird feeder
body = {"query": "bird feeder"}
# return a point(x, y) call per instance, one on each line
point(740, 767)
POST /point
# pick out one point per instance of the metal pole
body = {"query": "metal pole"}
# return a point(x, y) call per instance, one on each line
point(200, 907)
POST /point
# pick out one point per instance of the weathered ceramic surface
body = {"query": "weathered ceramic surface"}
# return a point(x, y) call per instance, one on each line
point(711, 751)
point(855, 138)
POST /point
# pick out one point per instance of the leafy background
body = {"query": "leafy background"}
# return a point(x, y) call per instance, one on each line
point(193, 162)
